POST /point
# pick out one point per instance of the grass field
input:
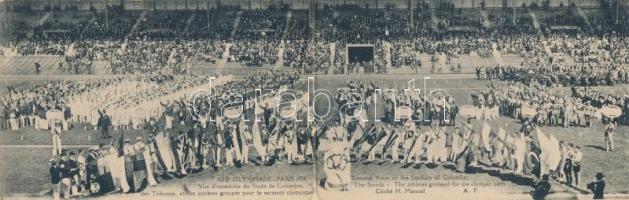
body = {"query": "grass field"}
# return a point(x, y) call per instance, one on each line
point(24, 170)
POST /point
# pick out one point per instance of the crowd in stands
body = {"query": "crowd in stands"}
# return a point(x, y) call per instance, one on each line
point(261, 24)
point(41, 48)
point(167, 40)
point(358, 26)
point(158, 25)
point(523, 23)
point(568, 60)
point(459, 19)
point(257, 38)
point(254, 53)
point(298, 27)
point(217, 24)
point(525, 45)
point(340, 57)
point(562, 18)
point(55, 29)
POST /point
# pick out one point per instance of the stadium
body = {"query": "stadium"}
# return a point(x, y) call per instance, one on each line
point(304, 99)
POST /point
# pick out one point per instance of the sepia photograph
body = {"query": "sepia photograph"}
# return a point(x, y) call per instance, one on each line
point(314, 99)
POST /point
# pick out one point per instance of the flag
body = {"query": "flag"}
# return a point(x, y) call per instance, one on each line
point(165, 154)
point(554, 153)
point(502, 134)
point(502, 139)
point(139, 170)
point(549, 147)
point(128, 171)
point(70, 51)
point(118, 143)
point(509, 141)
point(118, 165)
point(485, 131)
point(542, 140)
point(105, 183)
